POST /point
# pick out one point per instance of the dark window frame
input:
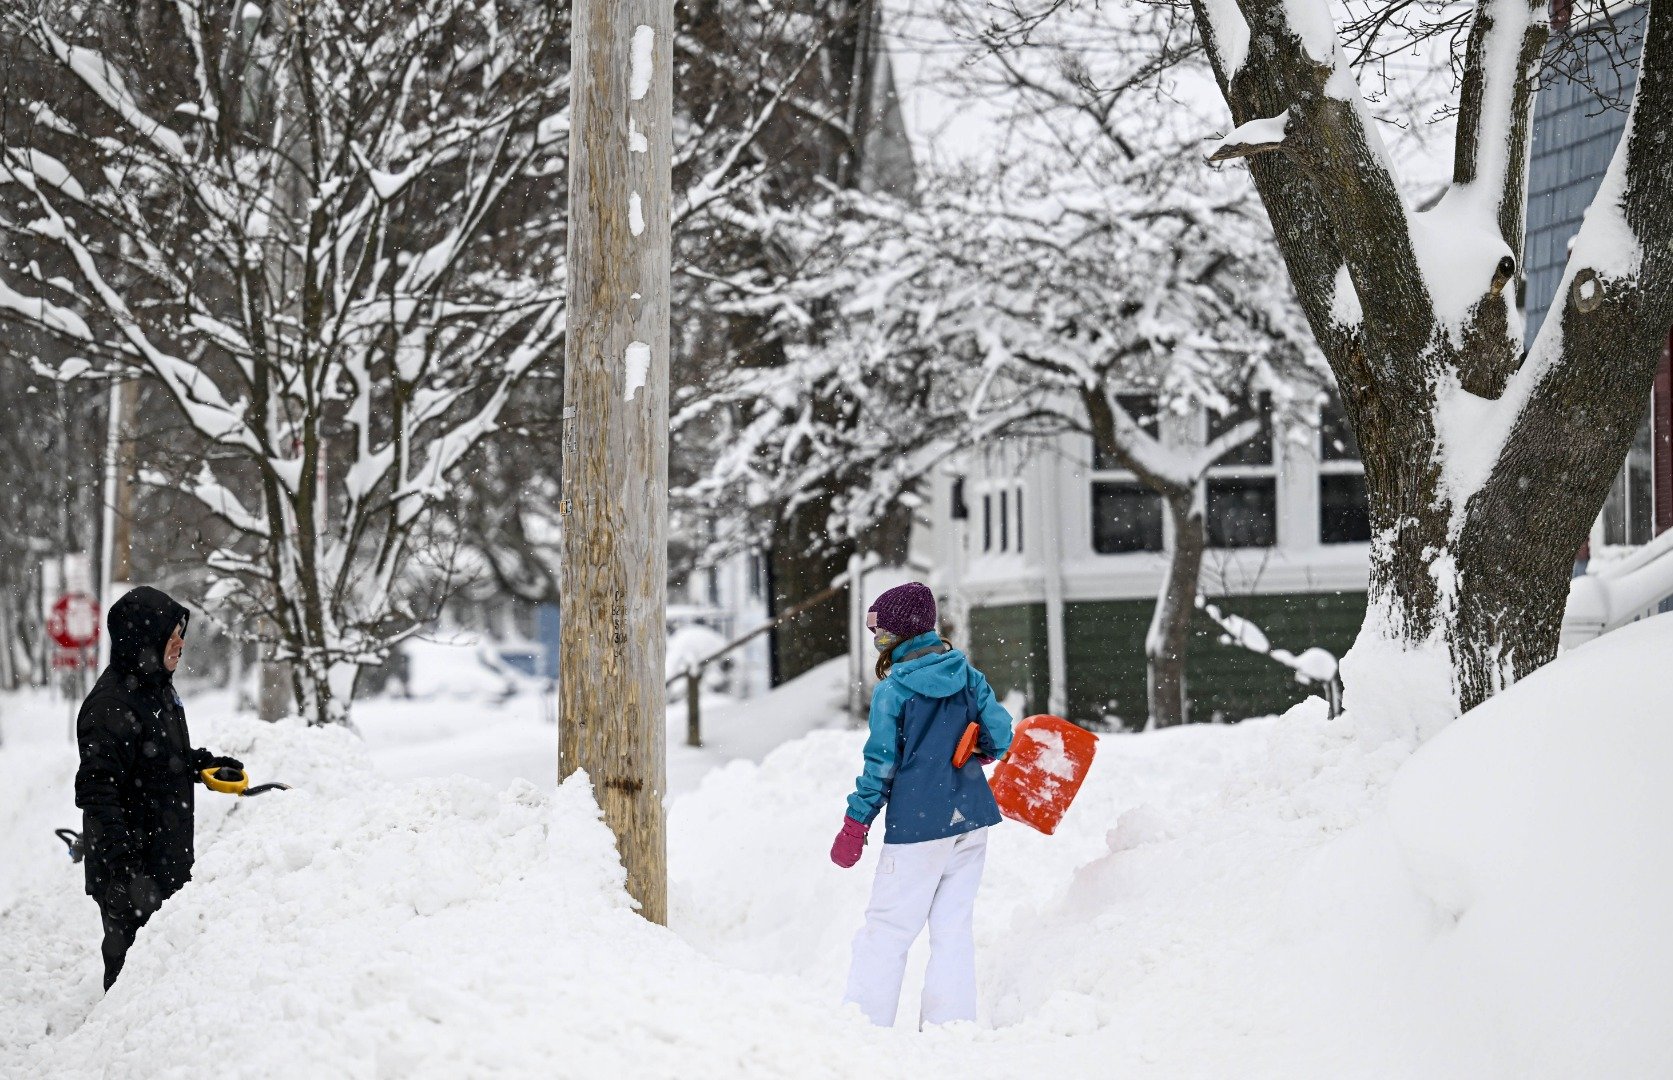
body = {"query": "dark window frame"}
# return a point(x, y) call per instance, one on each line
point(1148, 527)
point(1339, 464)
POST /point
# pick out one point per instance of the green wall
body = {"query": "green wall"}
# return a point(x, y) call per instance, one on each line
point(1104, 644)
point(1009, 645)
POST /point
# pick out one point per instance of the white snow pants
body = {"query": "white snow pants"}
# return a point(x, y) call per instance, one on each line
point(931, 882)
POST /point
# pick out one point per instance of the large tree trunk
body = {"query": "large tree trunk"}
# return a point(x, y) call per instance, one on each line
point(1170, 625)
point(1485, 466)
point(1486, 584)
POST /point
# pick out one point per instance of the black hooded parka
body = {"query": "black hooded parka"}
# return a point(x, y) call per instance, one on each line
point(135, 782)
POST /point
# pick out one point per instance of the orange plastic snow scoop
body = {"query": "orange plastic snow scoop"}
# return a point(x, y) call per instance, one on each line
point(966, 744)
point(1038, 779)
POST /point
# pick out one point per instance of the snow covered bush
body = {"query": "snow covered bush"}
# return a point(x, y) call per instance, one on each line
point(332, 232)
point(1085, 275)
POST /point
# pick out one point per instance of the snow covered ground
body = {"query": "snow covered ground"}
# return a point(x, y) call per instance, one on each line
point(1278, 898)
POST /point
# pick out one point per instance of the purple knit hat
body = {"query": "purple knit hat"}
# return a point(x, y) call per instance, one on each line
point(906, 610)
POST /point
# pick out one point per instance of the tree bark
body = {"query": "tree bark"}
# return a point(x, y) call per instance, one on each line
point(805, 562)
point(1170, 626)
point(1473, 542)
point(615, 450)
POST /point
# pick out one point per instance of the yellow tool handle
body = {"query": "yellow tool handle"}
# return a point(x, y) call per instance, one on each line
point(214, 782)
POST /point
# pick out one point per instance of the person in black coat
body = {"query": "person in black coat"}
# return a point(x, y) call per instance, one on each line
point(137, 770)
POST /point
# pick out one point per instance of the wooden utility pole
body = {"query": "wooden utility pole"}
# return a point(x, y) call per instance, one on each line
point(615, 444)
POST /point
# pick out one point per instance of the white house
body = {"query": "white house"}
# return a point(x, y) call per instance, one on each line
point(1051, 561)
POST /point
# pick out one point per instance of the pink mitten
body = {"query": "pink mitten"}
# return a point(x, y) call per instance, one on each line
point(846, 851)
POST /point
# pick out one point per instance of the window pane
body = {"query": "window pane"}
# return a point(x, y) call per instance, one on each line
point(1258, 450)
point(1242, 512)
point(1125, 517)
point(1144, 409)
point(1019, 519)
point(1004, 521)
point(1336, 436)
point(1615, 511)
point(1626, 512)
point(1344, 514)
point(987, 522)
point(1640, 483)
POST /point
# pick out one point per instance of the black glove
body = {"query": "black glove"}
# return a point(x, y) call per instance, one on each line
point(138, 896)
point(203, 759)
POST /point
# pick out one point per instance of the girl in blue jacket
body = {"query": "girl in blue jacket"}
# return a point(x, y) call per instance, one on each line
point(935, 836)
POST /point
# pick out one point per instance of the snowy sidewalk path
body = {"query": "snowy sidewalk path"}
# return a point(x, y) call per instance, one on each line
point(1143, 931)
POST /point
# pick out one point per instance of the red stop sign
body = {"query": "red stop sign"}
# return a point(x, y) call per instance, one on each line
point(74, 621)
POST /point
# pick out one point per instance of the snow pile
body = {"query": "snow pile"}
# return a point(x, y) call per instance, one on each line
point(1151, 940)
point(1514, 916)
point(37, 794)
point(356, 927)
point(1286, 897)
point(463, 669)
point(433, 928)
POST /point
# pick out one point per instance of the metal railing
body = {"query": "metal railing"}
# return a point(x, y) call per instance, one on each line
point(693, 673)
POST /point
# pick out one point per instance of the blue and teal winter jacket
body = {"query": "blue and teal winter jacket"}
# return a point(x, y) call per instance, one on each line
point(918, 715)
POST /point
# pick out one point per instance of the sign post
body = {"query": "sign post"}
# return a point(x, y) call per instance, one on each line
point(73, 625)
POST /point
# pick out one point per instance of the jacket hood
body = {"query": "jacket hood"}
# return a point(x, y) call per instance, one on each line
point(140, 624)
point(938, 675)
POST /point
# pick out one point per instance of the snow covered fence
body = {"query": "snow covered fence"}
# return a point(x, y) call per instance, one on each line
point(1619, 593)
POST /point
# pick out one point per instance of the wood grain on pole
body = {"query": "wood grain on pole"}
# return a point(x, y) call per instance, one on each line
point(615, 443)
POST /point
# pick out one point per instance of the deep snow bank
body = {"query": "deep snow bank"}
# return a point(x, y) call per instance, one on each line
point(1144, 949)
point(1508, 914)
point(358, 927)
point(1284, 898)
point(1278, 899)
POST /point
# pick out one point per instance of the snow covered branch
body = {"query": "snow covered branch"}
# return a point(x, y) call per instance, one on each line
point(298, 222)
point(1255, 137)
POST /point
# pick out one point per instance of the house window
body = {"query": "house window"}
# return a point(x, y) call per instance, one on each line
point(1257, 450)
point(1001, 517)
point(1242, 511)
point(1241, 506)
point(1344, 510)
point(1628, 516)
point(1126, 516)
